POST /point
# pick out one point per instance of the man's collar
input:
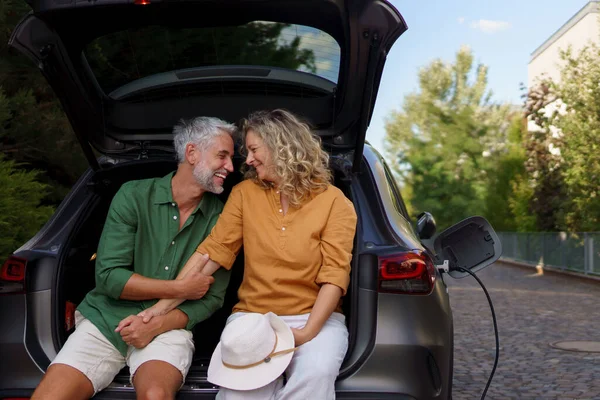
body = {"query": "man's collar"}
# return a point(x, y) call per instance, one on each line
point(204, 205)
point(164, 195)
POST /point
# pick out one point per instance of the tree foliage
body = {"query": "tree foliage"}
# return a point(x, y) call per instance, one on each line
point(564, 146)
point(20, 211)
point(447, 139)
point(34, 131)
point(506, 205)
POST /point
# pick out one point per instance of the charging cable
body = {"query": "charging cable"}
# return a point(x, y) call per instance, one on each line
point(461, 269)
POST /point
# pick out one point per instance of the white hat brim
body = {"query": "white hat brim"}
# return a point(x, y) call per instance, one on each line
point(257, 376)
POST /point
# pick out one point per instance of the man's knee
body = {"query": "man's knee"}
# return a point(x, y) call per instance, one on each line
point(156, 392)
point(62, 381)
point(156, 380)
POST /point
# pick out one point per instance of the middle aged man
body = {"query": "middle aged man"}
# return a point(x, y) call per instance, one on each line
point(153, 226)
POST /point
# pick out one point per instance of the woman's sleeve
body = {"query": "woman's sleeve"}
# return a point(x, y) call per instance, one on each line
point(226, 237)
point(337, 240)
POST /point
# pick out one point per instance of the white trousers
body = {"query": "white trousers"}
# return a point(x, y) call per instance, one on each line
point(314, 367)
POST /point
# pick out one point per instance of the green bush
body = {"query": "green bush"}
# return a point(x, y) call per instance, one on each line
point(21, 215)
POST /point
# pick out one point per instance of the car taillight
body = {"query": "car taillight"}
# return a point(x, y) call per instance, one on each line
point(412, 272)
point(12, 275)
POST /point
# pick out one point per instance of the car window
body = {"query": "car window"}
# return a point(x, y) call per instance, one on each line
point(395, 193)
point(122, 57)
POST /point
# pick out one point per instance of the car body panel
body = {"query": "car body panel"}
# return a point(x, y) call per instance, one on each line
point(17, 369)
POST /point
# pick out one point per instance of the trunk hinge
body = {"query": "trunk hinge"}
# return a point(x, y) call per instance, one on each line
point(367, 97)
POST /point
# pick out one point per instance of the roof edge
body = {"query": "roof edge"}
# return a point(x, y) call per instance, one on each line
point(592, 7)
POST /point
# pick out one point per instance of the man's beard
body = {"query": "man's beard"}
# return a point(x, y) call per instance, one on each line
point(205, 178)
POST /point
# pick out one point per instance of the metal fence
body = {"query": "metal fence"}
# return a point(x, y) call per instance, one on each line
point(579, 252)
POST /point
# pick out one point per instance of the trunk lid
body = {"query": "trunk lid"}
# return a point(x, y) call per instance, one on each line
point(126, 71)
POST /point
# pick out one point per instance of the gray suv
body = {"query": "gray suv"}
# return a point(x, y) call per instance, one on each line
point(126, 70)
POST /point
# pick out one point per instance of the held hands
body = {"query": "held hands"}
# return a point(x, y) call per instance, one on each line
point(136, 333)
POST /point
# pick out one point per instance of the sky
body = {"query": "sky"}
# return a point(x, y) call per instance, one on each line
point(501, 35)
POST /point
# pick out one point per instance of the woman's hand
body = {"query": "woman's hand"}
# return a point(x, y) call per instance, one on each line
point(154, 311)
point(302, 336)
point(327, 300)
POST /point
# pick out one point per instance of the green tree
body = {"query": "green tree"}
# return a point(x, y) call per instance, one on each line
point(20, 211)
point(579, 125)
point(505, 198)
point(520, 205)
point(564, 149)
point(544, 164)
point(34, 131)
point(444, 141)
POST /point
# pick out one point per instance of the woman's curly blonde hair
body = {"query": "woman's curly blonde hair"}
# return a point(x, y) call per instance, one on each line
point(299, 161)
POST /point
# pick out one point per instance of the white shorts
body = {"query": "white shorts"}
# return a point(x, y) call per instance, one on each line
point(88, 351)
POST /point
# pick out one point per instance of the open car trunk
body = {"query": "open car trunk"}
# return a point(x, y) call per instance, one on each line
point(76, 272)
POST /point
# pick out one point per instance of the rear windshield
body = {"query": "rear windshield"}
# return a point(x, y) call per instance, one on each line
point(122, 57)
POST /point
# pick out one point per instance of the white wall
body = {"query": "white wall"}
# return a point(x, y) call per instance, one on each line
point(578, 36)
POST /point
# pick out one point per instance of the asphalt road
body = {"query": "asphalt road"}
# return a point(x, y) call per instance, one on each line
point(532, 311)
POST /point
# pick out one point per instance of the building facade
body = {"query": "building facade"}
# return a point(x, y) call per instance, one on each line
point(545, 61)
point(577, 32)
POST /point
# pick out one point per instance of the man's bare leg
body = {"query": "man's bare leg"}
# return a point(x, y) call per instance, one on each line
point(62, 381)
point(157, 380)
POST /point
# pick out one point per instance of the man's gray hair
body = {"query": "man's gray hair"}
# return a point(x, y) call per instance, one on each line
point(199, 131)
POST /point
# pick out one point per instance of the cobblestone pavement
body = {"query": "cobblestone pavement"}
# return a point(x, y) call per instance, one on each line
point(532, 311)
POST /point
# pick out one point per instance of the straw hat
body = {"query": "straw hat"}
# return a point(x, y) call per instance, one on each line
point(255, 349)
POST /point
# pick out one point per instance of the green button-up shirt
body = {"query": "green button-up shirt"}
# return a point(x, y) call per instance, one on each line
point(142, 235)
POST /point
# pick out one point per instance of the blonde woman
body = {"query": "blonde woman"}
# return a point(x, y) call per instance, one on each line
point(297, 230)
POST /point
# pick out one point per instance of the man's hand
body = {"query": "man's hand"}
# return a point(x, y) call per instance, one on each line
point(136, 333)
point(194, 284)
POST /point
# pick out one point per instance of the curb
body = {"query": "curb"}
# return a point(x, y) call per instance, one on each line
point(548, 269)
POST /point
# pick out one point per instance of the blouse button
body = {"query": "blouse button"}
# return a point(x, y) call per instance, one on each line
point(283, 229)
